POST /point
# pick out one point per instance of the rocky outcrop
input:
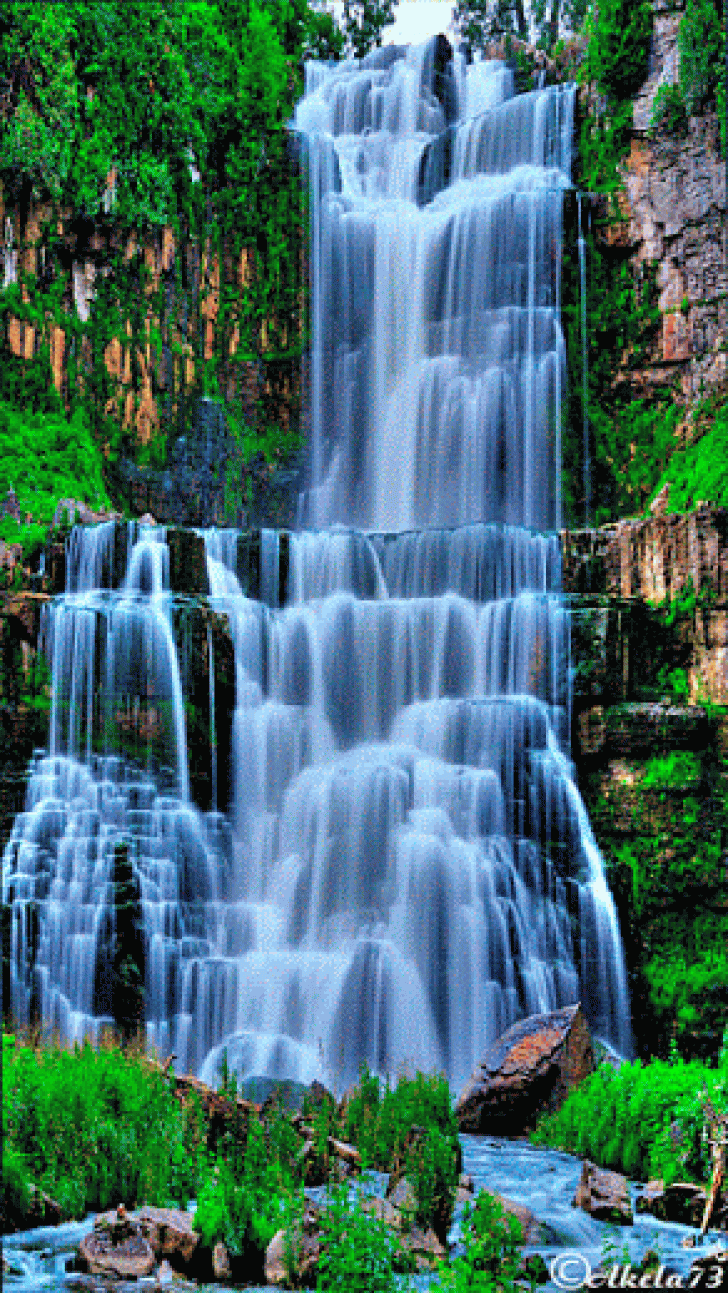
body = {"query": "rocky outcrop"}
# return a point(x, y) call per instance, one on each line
point(651, 558)
point(675, 209)
point(683, 1202)
point(624, 581)
point(529, 1070)
point(604, 1195)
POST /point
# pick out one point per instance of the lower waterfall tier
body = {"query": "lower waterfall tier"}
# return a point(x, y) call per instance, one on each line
point(403, 866)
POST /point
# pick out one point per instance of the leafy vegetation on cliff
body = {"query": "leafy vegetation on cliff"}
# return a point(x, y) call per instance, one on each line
point(701, 76)
point(119, 118)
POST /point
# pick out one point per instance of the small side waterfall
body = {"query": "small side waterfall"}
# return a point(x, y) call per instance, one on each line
point(401, 864)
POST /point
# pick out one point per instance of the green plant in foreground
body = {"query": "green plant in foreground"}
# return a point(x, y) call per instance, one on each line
point(238, 1203)
point(359, 1252)
point(93, 1128)
point(678, 768)
point(492, 1259)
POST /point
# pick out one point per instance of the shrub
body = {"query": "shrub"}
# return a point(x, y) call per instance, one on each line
point(492, 1256)
point(359, 1253)
point(93, 1128)
point(699, 472)
point(625, 1119)
point(381, 1122)
point(668, 109)
point(239, 1204)
point(678, 768)
point(44, 457)
point(378, 1119)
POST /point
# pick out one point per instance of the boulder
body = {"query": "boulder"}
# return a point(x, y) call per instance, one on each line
point(169, 1231)
point(424, 1246)
point(533, 1231)
point(401, 1195)
point(465, 1190)
point(529, 1070)
point(127, 1258)
point(221, 1268)
point(683, 1201)
point(604, 1195)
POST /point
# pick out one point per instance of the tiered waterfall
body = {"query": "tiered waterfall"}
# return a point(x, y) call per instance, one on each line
point(401, 864)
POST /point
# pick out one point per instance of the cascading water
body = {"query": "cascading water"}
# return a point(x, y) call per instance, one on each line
point(406, 866)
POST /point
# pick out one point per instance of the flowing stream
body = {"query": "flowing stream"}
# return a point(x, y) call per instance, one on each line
point(401, 865)
point(543, 1180)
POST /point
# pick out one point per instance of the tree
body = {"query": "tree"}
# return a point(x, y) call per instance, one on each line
point(364, 22)
point(478, 21)
point(324, 38)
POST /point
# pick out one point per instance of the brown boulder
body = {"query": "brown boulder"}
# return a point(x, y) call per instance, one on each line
point(529, 1070)
point(128, 1258)
point(221, 1268)
point(604, 1195)
point(170, 1233)
point(682, 1201)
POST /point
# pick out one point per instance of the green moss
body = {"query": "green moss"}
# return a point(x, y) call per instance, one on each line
point(677, 768)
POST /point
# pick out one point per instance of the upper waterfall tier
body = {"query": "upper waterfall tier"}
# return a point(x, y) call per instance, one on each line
point(438, 357)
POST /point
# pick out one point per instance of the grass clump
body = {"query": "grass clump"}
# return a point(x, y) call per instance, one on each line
point(359, 1252)
point(412, 1126)
point(644, 1120)
point(678, 768)
point(92, 1128)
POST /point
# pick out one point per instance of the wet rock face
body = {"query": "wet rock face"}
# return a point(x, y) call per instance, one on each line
point(604, 1195)
point(529, 1070)
point(683, 1201)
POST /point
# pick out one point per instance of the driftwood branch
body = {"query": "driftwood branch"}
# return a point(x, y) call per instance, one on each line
point(717, 1136)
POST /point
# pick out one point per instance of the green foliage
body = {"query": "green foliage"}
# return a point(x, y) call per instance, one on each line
point(668, 110)
point(623, 1119)
point(492, 1259)
point(364, 22)
point(44, 457)
point(359, 1252)
point(631, 440)
point(702, 55)
point(239, 1204)
point(699, 471)
point(93, 1128)
point(678, 768)
point(412, 1124)
point(378, 1120)
point(619, 45)
point(178, 114)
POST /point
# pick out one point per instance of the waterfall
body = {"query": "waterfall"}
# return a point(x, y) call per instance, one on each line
point(402, 866)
